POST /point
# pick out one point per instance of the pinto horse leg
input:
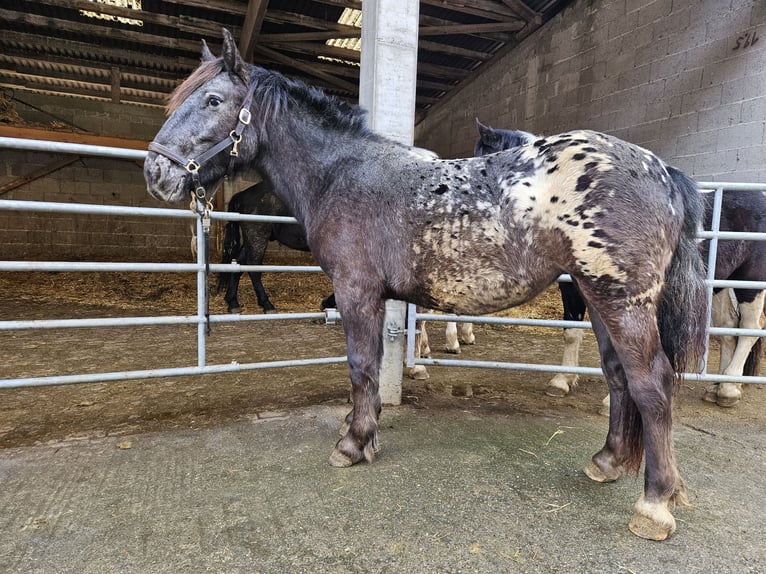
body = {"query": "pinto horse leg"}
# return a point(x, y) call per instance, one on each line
point(422, 349)
point(724, 314)
point(466, 335)
point(450, 332)
point(560, 385)
point(751, 314)
point(640, 379)
point(363, 324)
point(574, 310)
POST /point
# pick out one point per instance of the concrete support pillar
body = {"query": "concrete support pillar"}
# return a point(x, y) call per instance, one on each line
point(387, 91)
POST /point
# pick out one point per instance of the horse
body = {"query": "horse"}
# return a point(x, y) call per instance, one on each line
point(467, 236)
point(738, 260)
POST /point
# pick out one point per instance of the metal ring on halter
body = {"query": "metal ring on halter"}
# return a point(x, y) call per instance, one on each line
point(192, 166)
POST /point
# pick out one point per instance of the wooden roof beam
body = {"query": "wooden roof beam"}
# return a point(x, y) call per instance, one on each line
point(251, 28)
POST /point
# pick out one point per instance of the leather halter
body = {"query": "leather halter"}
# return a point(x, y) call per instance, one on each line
point(192, 166)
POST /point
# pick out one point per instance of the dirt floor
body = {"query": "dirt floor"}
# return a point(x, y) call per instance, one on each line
point(45, 415)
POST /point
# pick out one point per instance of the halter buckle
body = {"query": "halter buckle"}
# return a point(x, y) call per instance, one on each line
point(192, 166)
point(245, 116)
point(200, 193)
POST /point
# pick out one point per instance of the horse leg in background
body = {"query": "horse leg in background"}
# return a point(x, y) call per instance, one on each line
point(574, 310)
point(260, 292)
point(256, 240)
point(363, 326)
point(458, 334)
point(736, 351)
point(640, 379)
point(232, 288)
point(422, 349)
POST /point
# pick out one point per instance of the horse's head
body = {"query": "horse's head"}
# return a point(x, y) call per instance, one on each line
point(207, 127)
point(492, 140)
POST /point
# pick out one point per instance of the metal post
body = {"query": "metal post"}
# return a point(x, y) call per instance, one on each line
point(387, 90)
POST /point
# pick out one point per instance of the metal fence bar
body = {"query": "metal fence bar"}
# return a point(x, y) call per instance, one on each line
point(232, 367)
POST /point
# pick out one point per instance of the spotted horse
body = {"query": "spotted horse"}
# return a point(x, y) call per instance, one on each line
point(469, 236)
point(737, 260)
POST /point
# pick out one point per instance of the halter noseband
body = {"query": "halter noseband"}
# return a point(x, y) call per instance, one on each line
point(192, 166)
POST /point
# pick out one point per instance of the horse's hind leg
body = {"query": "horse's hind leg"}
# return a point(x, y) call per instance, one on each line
point(363, 325)
point(260, 292)
point(750, 317)
point(640, 380)
point(574, 310)
point(724, 314)
point(561, 383)
point(232, 288)
point(466, 335)
point(422, 349)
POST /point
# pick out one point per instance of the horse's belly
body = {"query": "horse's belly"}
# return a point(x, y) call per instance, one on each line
point(482, 292)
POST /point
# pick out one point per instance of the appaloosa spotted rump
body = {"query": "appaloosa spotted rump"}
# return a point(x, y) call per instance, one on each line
point(472, 235)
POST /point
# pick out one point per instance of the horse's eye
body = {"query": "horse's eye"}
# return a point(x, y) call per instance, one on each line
point(214, 101)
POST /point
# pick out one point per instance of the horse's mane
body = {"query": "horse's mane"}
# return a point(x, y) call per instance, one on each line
point(206, 72)
point(274, 93)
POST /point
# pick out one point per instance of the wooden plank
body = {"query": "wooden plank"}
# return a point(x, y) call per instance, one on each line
point(70, 137)
point(511, 26)
point(310, 69)
point(115, 84)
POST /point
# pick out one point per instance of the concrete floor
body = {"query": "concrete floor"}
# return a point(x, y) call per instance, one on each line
point(452, 490)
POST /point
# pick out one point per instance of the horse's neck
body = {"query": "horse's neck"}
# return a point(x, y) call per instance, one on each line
point(301, 168)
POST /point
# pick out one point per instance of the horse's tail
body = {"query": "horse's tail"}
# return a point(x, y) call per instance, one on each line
point(752, 366)
point(682, 311)
point(232, 246)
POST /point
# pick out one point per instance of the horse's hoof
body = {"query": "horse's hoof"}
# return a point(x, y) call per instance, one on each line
point(340, 460)
point(558, 392)
point(644, 527)
point(599, 474)
point(269, 311)
point(419, 373)
point(235, 310)
point(652, 521)
point(454, 350)
point(727, 402)
point(711, 394)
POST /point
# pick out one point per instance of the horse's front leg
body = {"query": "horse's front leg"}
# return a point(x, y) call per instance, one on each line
point(363, 325)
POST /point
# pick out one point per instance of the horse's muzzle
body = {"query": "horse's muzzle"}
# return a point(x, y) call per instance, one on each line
point(165, 180)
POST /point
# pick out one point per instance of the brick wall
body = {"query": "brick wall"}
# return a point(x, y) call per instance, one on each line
point(92, 180)
point(680, 77)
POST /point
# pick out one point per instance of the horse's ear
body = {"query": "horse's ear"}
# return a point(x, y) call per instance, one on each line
point(232, 60)
point(207, 55)
point(486, 133)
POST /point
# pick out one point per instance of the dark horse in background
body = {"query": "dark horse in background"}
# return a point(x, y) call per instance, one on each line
point(737, 260)
point(245, 242)
point(470, 236)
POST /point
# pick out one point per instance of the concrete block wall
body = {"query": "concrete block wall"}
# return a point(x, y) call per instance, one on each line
point(684, 78)
point(93, 180)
